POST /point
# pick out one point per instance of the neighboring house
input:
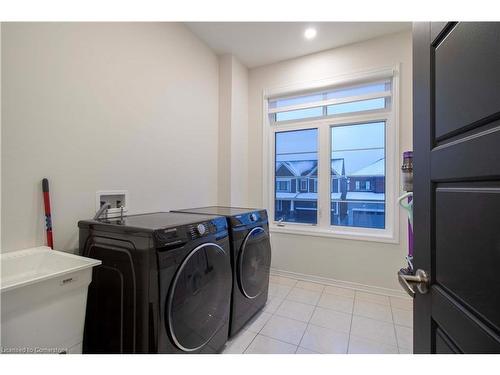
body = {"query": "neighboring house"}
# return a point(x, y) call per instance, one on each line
point(356, 200)
point(297, 188)
point(366, 196)
point(369, 179)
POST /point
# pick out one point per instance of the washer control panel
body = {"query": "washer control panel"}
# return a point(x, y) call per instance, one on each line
point(207, 228)
point(178, 236)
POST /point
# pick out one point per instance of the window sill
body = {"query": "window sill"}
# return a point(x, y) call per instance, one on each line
point(311, 230)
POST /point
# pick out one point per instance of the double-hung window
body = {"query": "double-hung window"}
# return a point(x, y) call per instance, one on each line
point(336, 146)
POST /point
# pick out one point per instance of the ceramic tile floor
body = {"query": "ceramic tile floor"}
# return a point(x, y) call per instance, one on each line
point(303, 318)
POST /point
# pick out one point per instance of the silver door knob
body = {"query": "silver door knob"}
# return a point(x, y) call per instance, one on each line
point(411, 283)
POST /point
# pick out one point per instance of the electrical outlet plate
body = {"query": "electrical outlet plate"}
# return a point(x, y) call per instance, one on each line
point(116, 198)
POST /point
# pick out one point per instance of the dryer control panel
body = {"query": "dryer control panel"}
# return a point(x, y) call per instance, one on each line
point(248, 219)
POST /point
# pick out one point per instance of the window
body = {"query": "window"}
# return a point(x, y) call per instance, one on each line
point(296, 157)
point(361, 148)
point(303, 184)
point(334, 160)
point(283, 185)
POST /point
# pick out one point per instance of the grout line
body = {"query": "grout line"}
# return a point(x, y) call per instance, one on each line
point(350, 326)
point(272, 314)
point(302, 337)
point(280, 340)
point(285, 299)
point(307, 327)
point(316, 305)
point(309, 321)
point(245, 350)
point(256, 334)
point(295, 320)
point(394, 327)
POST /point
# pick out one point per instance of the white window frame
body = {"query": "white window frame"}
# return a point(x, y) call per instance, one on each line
point(391, 118)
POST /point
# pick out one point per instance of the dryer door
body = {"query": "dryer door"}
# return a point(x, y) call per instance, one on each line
point(199, 297)
point(254, 262)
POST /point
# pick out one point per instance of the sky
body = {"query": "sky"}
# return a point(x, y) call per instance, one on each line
point(367, 137)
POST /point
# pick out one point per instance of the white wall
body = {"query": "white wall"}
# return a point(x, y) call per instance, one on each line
point(233, 131)
point(224, 153)
point(360, 262)
point(239, 133)
point(0, 135)
point(97, 106)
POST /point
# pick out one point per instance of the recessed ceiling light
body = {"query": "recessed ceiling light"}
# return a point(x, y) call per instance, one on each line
point(310, 33)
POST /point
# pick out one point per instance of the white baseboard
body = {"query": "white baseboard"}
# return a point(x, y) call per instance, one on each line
point(340, 283)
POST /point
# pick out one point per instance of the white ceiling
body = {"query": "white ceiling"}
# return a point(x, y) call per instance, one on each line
point(261, 43)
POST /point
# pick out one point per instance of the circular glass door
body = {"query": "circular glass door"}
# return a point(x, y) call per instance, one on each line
point(199, 297)
point(254, 263)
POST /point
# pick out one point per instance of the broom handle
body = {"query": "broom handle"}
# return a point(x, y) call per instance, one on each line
point(48, 218)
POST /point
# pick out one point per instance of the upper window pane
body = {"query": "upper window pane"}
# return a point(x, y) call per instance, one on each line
point(358, 175)
point(299, 114)
point(295, 100)
point(359, 106)
point(296, 167)
point(359, 90)
point(361, 97)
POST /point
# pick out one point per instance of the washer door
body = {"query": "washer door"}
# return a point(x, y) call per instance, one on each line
point(254, 262)
point(199, 297)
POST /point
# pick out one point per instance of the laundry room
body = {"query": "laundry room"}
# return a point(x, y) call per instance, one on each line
point(194, 186)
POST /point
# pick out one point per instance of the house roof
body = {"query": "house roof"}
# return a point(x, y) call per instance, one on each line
point(298, 168)
point(338, 167)
point(375, 169)
point(304, 168)
point(301, 168)
point(287, 166)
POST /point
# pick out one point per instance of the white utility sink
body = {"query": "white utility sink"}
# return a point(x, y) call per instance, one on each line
point(43, 298)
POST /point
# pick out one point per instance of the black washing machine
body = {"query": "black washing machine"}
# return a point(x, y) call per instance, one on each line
point(164, 285)
point(250, 259)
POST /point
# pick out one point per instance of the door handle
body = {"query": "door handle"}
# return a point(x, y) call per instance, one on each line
point(411, 283)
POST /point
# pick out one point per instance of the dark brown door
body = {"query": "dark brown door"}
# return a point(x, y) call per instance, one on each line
point(456, 83)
